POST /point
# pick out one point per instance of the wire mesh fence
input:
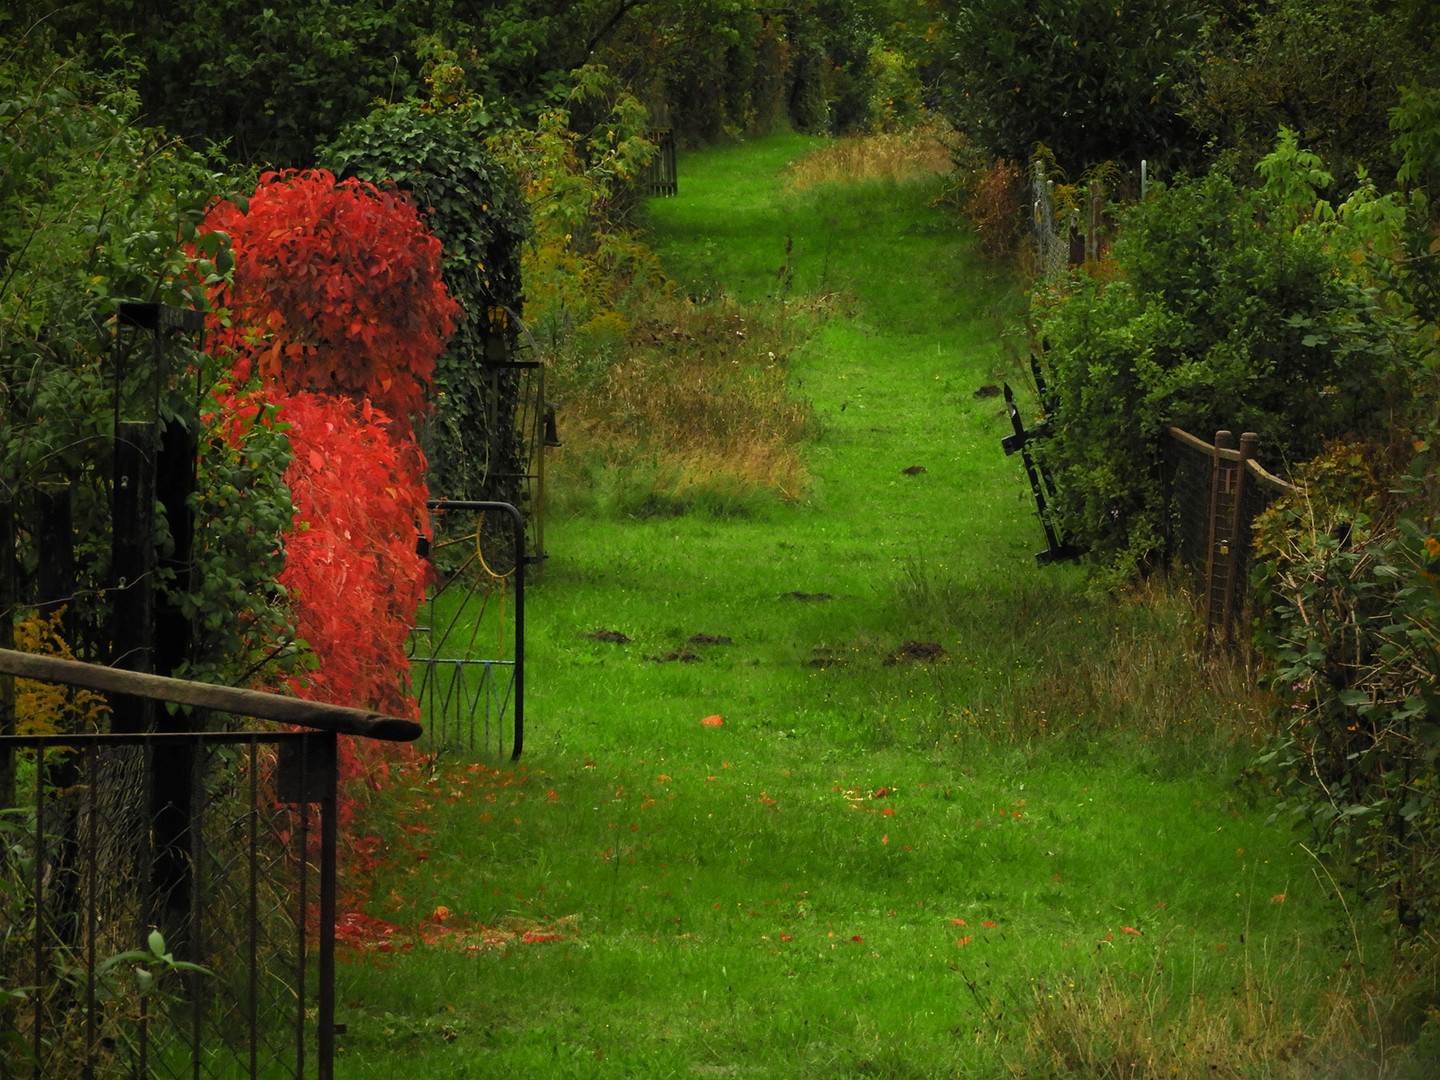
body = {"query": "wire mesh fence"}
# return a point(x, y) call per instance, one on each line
point(96, 855)
point(1216, 491)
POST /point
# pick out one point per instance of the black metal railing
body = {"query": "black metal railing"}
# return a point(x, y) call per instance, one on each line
point(223, 842)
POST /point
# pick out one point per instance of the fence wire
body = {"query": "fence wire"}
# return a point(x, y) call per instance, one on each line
point(1214, 499)
point(96, 855)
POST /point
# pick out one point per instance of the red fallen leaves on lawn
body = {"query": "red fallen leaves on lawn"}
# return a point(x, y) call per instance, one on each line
point(963, 941)
point(1129, 930)
point(444, 927)
point(712, 721)
point(361, 930)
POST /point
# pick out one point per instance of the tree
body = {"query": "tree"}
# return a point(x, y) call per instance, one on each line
point(1329, 70)
point(1094, 80)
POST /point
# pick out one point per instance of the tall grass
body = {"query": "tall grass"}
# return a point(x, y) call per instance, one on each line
point(918, 152)
point(694, 406)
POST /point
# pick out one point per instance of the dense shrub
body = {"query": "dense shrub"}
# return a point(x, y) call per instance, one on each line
point(1223, 314)
point(94, 211)
point(337, 288)
point(473, 206)
point(1352, 574)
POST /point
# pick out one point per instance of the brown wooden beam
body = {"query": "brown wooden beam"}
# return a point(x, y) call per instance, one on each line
point(231, 699)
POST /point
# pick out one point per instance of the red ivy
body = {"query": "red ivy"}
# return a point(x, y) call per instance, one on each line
point(337, 289)
point(351, 566)
point(339, 309)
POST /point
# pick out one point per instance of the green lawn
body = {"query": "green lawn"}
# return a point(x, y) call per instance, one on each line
point(875, 866)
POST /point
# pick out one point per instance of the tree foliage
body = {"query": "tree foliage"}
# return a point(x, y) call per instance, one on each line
point(1094, 80)
point(337, 305)
point(264, 82)
point(337, 289)
point(94, 210)
point(1329, 70)
point(351, 568)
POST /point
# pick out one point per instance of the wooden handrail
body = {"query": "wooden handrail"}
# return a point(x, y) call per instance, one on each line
point(257, 703)
point(1269, 479)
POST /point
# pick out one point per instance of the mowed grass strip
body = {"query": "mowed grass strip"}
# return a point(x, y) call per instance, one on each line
point(925, 833)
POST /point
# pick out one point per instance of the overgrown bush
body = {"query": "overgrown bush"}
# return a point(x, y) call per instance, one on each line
point(94, 211)
point(1352, 574)
point(472, 205)
point(1230, 309)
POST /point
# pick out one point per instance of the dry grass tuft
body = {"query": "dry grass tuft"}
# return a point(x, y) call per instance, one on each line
point(1130, 1025)
point(1145, 675)
point(925, 150)
point(697, 400)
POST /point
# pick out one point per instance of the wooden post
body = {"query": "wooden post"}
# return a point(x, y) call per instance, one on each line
point(1093, 243)
point(56, 545)
point(173, 774)
point(174, 482)
point(1238, 530)
point(1217, 546)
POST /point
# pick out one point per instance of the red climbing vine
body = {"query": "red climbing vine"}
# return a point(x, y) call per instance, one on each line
point(337, 289)
point(338, 307)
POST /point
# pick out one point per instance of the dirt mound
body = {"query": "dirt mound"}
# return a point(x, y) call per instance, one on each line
point(685, 656)
point(615, 637)
point(920, 652)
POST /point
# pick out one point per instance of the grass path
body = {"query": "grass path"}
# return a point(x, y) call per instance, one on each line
point(851, 876)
